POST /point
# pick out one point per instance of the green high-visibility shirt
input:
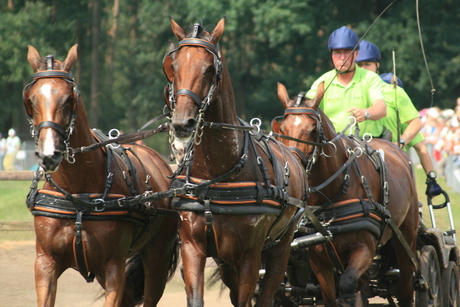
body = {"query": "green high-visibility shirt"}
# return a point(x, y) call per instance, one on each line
point(363, 90)
point(397, 99)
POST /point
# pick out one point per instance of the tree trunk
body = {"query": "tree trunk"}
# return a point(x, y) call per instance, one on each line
point(112, 43)
point(95, 31)
point(133, 36)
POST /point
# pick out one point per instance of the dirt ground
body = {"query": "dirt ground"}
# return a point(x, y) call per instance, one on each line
point(17, 283)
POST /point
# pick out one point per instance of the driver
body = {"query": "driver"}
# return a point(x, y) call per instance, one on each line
point(349, 89)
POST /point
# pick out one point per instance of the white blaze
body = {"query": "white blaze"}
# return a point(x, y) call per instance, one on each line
point(48, 140)
point(298, 121)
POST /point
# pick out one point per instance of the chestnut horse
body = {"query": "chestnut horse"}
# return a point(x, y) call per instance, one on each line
point(87, 215)
point(345, 175)
point(240, 194)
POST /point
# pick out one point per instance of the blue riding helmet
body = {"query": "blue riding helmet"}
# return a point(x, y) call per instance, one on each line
point(368, 52)
point(343, 38)
point(388, 76)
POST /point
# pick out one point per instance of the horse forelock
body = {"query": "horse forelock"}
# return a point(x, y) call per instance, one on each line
point(201, 33)
point(57, 65)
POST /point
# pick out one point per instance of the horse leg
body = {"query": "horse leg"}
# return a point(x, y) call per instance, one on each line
point(229, 276)
point(114, 282)
point(193, 254)
point(47, 272)
point(324, 273)
point(406, 271)
point(360, 260)
point(275, 259)
point(158, 258)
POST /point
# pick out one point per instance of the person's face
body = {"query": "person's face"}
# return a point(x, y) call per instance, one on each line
point(343, 60)
point(372, 66)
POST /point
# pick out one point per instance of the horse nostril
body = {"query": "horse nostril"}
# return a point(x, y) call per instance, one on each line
point(190, 125)
point(184, 130)
point(49, 162)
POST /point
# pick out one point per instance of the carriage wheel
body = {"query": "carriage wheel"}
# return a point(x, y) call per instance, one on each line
point(451, 283)
point(430, 268)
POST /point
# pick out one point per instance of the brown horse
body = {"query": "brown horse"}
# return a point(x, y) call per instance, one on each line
point(346, 175)
point(86, 215)
point(240, 195)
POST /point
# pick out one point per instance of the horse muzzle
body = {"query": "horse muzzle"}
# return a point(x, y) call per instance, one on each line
point(49, 153)
point(49, 163)
point(183, 128)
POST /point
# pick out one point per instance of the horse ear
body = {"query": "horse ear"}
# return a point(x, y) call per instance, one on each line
point(71, 58)
point(177, 30)
point(283, 95)
point(33, 57)
point(171, 47)
point(319, 95)
point(276, 126)
point(217, 32)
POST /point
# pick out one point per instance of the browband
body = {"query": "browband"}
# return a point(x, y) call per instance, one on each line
point(198, 42)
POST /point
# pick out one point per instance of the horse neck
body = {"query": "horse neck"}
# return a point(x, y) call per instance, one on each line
point(88, 173)
point(327, 165)
point(220, 149)
point(226, 105)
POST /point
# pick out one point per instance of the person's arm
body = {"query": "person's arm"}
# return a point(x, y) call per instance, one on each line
point(413, 128)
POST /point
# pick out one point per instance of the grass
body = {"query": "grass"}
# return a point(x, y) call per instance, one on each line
point(13, 200)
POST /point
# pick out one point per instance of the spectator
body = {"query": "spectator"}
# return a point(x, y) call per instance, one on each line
point(2, 150)
point(13, 144)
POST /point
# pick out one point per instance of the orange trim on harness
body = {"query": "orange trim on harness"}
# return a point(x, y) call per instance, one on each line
point(95, 195)
point(104, 213)
point(348, 201)
point(374, 216)
point(230, 202)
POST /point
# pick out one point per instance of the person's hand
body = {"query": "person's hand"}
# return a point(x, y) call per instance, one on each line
point(358, 113)
point(432, 188)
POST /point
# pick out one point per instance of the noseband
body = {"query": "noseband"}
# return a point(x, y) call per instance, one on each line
point(67, 132)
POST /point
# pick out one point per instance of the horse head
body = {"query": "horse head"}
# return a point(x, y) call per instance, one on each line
point(51, 102)
point(193, 70)
point(302, 120)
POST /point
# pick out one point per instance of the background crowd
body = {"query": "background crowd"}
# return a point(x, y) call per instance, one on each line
point(9, 150)
point(442, 136)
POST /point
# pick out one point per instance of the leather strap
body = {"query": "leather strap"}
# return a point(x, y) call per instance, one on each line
point(79, 250)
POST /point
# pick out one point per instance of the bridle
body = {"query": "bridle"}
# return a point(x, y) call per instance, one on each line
point(64, 132)
point(320, 141)
point(202, 103)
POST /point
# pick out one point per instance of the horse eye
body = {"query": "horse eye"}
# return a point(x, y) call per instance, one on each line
point(209, 70)
point(68, 104)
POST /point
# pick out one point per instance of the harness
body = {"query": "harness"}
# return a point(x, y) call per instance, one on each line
point(215, 196)
point(352, 214)
point(237, 198)
point(98, 206)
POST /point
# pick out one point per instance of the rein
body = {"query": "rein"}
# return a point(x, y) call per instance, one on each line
point(123, 139)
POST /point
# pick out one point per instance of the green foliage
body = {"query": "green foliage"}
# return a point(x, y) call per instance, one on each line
point(265, 42)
